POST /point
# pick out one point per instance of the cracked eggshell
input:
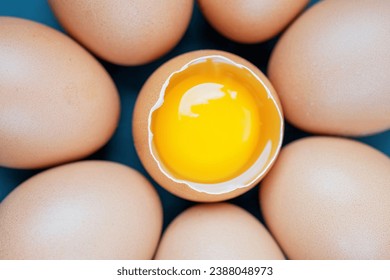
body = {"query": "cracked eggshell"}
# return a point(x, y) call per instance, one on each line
point(126, 32)
point(331, 68)
point(83, 210)
point(218, 231)
point(250, 21)
point(329, 198)
point(57, 103)
point(147, 99)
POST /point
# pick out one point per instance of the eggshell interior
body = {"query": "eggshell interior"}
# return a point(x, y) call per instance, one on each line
point(151, 97)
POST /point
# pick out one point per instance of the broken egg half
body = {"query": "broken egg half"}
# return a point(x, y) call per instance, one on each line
point(207, 125)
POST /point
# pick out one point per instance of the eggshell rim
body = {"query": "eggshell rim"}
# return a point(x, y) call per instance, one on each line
point(232, 184)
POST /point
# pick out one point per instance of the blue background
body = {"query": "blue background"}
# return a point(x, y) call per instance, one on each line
point(129, 81)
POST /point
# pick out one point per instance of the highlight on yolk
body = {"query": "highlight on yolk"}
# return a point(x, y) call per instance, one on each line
point(213, 123)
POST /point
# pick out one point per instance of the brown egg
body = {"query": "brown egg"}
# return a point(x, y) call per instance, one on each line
point(57, 103)
point(250, 21)
point(83, 210)
point(217, 231)
point(127, 32)
point(187, 68)
point(331, 68)
point(329, 198)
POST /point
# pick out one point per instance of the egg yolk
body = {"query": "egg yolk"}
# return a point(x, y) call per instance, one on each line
point(209, 127)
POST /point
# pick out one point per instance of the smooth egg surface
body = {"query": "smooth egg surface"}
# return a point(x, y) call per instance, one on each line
point(329, 198)
point(83, 210)
point(217, 231)
point(250, 21)
point(331, 68)
point(57, 103)
point(126, 32)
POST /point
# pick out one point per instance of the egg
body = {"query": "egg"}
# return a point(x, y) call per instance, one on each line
point(126, 32)
point(329, 198)
point(331, 68)
point(250, 21)
point(207, 125)
point(218, 231)
point(57, 103)
point(83, 210)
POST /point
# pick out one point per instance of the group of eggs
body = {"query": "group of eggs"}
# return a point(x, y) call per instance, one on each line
point(208, 126)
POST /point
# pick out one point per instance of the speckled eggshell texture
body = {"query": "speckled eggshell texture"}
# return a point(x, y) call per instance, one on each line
point(146, 100)
point(331, 68)
point(126, 32)
point(57, 103)
point(84, 210)
point(250, 21)
point(217, 231)
point(329, 198)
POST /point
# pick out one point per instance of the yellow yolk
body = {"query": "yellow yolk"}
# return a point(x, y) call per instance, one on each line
point(209, 127)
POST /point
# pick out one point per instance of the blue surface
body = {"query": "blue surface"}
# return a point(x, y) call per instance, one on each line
point(129, 81)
